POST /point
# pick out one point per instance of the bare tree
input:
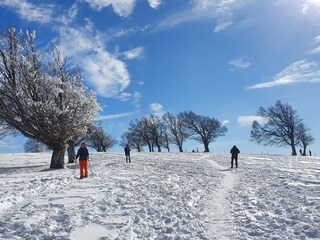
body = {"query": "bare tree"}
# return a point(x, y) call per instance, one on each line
point(101, 141)
point(154, 127)
point(133, 139)
point(283, 127)
point(202, 129)
point(179, 132)
point(33, 146)
point(305, 139)
point(165, 140)
point(137, 127)
point(42, 95)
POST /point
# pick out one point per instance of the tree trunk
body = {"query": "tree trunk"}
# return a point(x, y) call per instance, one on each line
point(150, 148)
point(294, 152)
point(180, 148)
point(206, 147)
point(159, 147)
point(304, 151)
point(71, 152)
point(57, 158)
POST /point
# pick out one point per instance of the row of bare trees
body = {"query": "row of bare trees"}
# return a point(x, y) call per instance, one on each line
point(280, 126)
point(159, 132)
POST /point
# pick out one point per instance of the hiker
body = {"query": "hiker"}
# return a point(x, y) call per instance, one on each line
point(83, 155)
point(310, 153)
point(127, 153)
point(300, 152)
point(234, 155)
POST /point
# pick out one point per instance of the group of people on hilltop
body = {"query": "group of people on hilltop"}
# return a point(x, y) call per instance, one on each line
point(304, 154)
point(83, 155)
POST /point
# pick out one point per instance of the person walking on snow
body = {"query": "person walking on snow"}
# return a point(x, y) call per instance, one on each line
point(127, 153)
point(83, 155)
point(234, 155)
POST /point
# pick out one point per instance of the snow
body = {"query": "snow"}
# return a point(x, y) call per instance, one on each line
point(161, 196)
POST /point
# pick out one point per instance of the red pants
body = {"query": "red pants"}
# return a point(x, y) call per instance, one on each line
point(83, 168)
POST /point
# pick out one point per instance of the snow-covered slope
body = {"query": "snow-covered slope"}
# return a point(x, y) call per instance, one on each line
point(161, 196)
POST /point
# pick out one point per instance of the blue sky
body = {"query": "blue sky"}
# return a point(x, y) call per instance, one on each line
point(219, 58)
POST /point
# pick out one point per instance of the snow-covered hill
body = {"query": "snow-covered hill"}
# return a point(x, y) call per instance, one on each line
point(161, 196)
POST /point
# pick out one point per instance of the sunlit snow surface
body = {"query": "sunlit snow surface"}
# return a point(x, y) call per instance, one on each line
point(161, 196)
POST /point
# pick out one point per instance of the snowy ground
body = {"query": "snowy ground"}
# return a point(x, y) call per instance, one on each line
point(161, 196)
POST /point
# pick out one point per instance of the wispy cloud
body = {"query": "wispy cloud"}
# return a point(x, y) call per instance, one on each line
point(155, 3)
point(104, 71)
point(298, 72)
point(316, 44)
point(30, 12)
point(310, 5)
point(246, 121)
point(123, 8)
point(157, 109)
point(222, 11)
point(239, 63)
point(135, 53)
point(225, 122)
point(115, 116)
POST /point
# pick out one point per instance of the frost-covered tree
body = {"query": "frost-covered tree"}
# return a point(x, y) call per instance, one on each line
point(42, 95)
point(283, 127)
point(101, 141)
point(202, 129)
point(33, 146)
point(179, 132)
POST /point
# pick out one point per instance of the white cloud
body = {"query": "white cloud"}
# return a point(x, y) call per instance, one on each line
point(115, 116)
point(124, 96)
point(104, 71)
point(298, 72)
point(154, 3)
point(223, 11)
point(310, 5)
point(134, 53)
point(136, 98)
point(123, 8)
point(28, 11)
point(316, 49)
point(246, 121)
point(225, 122)
point(239, 63)
point(156, 108)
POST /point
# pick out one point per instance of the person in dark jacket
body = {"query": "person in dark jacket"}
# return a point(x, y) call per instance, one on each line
point(234, 155)
point(127, 153)
point(83, 155)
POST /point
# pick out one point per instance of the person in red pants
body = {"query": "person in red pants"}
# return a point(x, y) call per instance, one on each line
point(83, 155)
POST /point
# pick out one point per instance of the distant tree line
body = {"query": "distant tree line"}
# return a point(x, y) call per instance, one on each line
point(156, 132)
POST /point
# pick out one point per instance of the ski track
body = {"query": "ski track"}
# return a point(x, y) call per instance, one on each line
point(161, 196)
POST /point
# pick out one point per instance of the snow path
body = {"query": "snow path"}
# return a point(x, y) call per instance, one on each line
point(222, 219)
